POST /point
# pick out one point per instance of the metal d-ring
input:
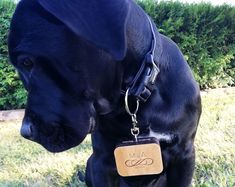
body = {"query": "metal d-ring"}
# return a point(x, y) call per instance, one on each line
point(127, 106)
point(135, 130)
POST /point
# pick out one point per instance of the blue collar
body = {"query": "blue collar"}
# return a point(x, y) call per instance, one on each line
point(143, 83)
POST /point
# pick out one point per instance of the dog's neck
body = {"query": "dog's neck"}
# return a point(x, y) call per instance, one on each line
point(139, 34)
point(139, 40)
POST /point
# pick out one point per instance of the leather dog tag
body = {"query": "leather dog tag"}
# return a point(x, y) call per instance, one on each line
point(138, 158)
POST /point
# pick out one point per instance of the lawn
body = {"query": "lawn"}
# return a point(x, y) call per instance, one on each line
point(24, 163)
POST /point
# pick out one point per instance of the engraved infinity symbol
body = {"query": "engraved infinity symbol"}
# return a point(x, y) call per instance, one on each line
point(139, 162)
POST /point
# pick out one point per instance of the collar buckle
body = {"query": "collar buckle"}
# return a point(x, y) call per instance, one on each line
point(147, 82)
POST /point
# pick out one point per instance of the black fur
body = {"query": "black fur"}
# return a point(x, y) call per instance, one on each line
point(74, 57)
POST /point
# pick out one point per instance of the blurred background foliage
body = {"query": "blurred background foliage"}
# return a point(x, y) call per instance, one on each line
point(12, 93)
point(205, 34)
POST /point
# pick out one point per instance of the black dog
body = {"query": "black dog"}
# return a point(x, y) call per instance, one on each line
point(78, 58)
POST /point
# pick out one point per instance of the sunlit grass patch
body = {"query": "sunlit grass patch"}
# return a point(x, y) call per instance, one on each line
point(24, 163)
point(215, 141)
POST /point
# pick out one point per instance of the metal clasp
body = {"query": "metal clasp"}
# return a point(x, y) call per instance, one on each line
point(135, 129)
point(154, 73)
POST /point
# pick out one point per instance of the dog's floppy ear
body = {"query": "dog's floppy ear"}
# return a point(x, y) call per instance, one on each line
point(102, 22)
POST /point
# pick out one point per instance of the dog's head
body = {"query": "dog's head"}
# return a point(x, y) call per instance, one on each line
point(66, 53)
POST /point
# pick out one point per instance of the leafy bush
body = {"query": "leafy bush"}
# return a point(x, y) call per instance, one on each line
point(12, 94)
point(205, 34)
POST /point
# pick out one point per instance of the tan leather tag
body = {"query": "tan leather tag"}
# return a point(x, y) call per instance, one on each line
point(140, 159)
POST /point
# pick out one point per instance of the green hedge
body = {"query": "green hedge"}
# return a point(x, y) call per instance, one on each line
point(205, 34)
point(12, 94)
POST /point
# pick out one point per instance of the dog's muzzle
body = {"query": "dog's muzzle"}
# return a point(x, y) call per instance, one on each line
point(27, 129)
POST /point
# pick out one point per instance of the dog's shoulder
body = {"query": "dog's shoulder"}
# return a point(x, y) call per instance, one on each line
point(176, 78)
point(171, 54)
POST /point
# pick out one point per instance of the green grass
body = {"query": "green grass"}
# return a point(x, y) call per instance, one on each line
point(215, 141)
point(24, 163)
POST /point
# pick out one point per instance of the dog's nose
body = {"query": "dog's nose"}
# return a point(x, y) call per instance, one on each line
point(26, 129)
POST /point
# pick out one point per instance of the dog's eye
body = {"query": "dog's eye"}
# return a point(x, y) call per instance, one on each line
point(28, 63)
